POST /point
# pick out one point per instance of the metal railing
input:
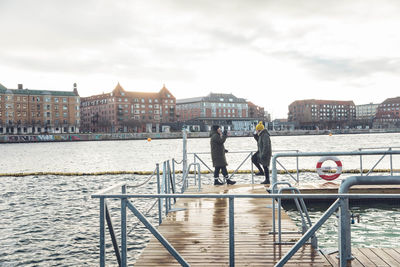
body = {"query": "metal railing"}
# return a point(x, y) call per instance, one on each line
point(248, 156)
point(341, 204)
point(276, 156)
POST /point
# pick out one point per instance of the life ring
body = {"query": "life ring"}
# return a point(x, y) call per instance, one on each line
point(320, 170)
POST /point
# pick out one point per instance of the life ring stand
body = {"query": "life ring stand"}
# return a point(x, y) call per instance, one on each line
point(320, 169)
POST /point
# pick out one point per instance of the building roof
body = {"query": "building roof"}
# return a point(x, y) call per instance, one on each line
point(36, 92)
point(2, 87)
point(392, 100)
point(322, 102)
point(212, 97)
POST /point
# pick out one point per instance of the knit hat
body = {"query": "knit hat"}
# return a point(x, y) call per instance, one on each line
point(215, 127)
point(259, 126)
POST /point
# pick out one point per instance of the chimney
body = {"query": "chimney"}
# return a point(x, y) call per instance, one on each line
point(75, 89)
point(20, 87)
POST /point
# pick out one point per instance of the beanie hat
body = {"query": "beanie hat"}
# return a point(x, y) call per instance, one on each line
point(215, 127)
point(259, 126)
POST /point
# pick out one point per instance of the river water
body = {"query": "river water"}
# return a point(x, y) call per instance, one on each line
point(48, 220)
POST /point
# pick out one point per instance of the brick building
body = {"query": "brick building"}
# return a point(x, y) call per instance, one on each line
point(324, 114)
point(388, 114)
point(27, 111)
point(226, 110)
point(125, 111)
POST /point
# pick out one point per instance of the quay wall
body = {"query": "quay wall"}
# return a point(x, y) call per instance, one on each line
point(26, 138)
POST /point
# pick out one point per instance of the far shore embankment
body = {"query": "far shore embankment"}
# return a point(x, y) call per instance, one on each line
point(28, 138)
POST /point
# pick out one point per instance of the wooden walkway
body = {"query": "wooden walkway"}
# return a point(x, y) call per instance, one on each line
point(200, 233)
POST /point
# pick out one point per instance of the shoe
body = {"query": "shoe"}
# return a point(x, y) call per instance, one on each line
point(265, 182)
point(217, 182)
point(229, 181)
point(260, 173)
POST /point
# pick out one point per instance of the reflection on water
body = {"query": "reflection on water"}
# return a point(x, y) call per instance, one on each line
point(51, 220)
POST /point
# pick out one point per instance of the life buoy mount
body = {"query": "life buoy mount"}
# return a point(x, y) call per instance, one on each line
point(320, 169)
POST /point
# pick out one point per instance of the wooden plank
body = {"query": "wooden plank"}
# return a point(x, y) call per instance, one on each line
point(381, 253)
point(373, 257)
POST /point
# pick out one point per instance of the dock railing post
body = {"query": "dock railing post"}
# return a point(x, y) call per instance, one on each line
point(184, 159)
point(252, 169)
point(123, 229)
point(231, 231)
point(102, 234)
point(158, 192)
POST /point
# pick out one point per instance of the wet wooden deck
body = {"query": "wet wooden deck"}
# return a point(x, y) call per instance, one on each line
point(200, 233)
point(325, 187)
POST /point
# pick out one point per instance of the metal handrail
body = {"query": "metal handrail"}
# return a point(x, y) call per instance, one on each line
point(125, 203)
point(338, 153)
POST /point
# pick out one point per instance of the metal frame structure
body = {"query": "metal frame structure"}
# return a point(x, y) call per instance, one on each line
point(341, 204)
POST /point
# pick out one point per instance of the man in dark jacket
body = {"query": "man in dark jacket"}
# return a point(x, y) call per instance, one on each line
point(218, 151)
point(264, 150)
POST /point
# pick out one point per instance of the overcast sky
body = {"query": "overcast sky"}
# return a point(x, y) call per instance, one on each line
point(271, 52)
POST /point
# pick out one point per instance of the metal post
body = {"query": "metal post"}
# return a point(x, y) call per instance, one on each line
point(391, 162)
point(297, 168)
point(231, 232)
point(184, 161)
point(123, 228)
point(158, 192)
point(274, 172)
point(102, 234)
point(361, 165)
point(252, 169)
point(344, 232)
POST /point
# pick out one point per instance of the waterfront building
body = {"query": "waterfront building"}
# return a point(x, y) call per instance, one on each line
point(126, 111)
point(322, 114)
point(226, 110)
point(28, 111)
point(365, 115)
point(388, 114)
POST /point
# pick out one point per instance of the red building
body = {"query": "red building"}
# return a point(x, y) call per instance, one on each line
point(388, 114)
point(125, 111)
point(324, 114)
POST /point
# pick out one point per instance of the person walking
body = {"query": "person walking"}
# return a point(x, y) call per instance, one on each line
point(218, 151)
point(264, 150)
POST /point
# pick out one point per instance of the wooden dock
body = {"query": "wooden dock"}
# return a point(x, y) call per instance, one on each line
point(200, 234)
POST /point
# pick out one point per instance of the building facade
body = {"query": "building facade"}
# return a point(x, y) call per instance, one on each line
point(27, 111)
point(125, 111)
point(365, 115)
point(388, 114)
point(322, 114)
point(227, 110)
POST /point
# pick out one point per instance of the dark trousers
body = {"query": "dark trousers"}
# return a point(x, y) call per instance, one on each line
point(222, 169)
point(254, 159)
point(266, 173)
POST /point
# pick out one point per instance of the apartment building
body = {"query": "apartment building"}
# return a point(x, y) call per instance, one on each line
point(226, 110)
point(324, 114)
point(126, 111)
point(388, 114)
point(30, 111)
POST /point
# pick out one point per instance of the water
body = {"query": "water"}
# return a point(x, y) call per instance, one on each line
point(51, 220)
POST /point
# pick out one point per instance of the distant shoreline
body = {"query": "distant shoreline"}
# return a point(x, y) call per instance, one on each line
point(31, 138)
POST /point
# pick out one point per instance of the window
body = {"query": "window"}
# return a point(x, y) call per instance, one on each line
point(47, 99)
point(56, 99)
point(65, 107)
point(64, 100)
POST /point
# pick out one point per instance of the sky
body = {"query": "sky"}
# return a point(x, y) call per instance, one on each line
point(267, 51)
